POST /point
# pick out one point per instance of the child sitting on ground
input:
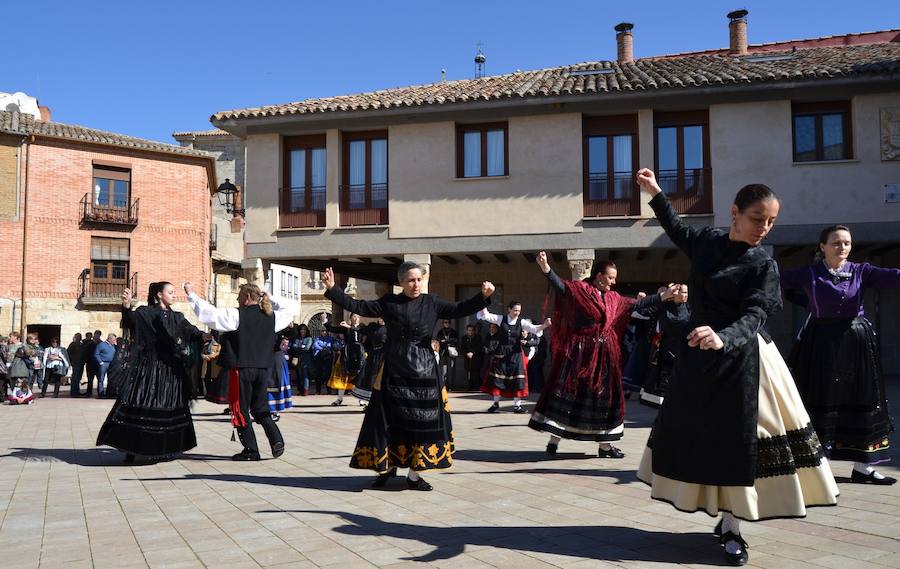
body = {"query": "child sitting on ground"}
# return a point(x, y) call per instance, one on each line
point(22, 394)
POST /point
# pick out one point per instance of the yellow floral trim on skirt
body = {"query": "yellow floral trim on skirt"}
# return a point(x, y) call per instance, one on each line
point(435, 456)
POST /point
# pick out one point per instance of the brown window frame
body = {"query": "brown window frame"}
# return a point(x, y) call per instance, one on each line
point(367, 215)
point(685, 202)
point(112, 173)
point(609, 127)
point(483, 129)
point(818, 110)
point(109, 285)
point(305, 216)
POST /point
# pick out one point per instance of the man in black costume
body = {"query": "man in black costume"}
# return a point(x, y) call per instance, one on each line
point(256, 322)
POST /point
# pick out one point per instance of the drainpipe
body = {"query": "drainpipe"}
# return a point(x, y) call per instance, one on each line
point(23, 326)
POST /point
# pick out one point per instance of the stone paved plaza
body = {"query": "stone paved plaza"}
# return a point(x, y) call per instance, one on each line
point(67, 504)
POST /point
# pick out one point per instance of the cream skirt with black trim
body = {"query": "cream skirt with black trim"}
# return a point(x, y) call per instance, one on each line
point(792, 473)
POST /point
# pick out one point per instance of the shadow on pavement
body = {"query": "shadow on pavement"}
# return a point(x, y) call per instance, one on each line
point(608, 543)
point(335, 483)
point(621, 476)
point(95, 456)
point(515, 456)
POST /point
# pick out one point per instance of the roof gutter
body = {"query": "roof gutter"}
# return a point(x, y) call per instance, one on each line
point(239, 126)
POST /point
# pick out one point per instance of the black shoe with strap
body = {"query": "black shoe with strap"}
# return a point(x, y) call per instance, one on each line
point(493, 408)
point(858, 477)
point(519, 409)
point(278, 449)
point(738, 556)
point(382, 479)
point(552, 448)
point(419, 484)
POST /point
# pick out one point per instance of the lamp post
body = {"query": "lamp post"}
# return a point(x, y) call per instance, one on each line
point(227, 193)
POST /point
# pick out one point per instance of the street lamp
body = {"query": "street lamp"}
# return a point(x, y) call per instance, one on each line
point(227, 193)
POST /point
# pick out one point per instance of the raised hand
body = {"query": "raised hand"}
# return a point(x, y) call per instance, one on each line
point(328, 277)
point(705, 338)
point(188, 288)
point(681, 294)
point(487, 289)
point(646, 179)
point(126, 297)
point(541, 260)
point(547, 323)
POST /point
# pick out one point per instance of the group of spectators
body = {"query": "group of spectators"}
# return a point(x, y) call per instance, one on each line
point(26, 367)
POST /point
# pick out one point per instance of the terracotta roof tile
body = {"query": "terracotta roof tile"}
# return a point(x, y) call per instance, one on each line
point(690, 71)
point(25, 124)
point(201, 133)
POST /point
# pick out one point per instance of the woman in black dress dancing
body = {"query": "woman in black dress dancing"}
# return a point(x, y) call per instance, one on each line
point(151, 416)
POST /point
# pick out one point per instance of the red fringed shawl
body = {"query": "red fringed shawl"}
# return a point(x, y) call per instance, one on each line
point(577, 316)
point(234, 398)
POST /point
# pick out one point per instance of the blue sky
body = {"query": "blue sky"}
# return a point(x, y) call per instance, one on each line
point(151, 68)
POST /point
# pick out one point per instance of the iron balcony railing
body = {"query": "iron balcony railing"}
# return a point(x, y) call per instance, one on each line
point(689, 190)
point(301, 207)
point(107, 289)
point(364, 204)
point(603, 199)
point(116, 212)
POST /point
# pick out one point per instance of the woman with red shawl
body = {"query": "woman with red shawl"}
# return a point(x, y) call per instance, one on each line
point(583, 398)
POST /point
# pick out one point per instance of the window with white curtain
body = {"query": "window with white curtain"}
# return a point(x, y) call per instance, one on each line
point(482, 150)
point(365, 171)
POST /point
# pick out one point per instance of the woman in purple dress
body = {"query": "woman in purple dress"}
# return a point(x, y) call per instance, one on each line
point(836, 363)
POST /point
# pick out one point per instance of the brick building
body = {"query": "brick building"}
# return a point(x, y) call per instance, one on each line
point(84, 213)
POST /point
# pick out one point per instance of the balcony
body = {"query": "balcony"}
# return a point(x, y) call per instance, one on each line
point(364, 204)
point(301, 207)
point(117, 213)
point(96, 292)
point(601, 200)
point(689, 191)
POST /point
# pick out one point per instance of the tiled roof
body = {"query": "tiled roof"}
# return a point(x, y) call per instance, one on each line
point(860, 38)
point(201, 133)
point(658, 74)
point(25, 124)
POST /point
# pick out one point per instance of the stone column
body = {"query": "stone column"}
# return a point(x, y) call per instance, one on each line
point(254, 271)
point(423, 259)
point(580, 262)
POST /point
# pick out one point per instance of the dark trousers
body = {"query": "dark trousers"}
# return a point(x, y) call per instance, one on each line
point(77, 373)
point(91, 375)
point(473, 373)
point(7, 384)
point(254, 401)
point(53, 377)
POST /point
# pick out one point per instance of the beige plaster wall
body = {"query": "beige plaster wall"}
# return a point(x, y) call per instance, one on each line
point(542, 194)
point(751, 142)
point(263, 182)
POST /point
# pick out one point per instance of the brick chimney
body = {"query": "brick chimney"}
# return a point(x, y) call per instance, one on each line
point(45, 113)
point(624, 43)
point(737, 32)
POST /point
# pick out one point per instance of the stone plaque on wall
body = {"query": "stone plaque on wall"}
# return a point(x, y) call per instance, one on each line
point(890, 133)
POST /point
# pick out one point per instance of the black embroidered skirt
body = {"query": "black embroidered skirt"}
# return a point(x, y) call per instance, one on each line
point(586, 414)
point(406, 425)
point(151, 415)
point(362, 387)
point(792, 472)
point(837, 368)
point(507, 376)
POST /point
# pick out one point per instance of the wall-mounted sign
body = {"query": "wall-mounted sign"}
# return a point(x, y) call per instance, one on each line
point(892, 193)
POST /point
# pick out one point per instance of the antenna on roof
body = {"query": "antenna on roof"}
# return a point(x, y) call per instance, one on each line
point(479, 61)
